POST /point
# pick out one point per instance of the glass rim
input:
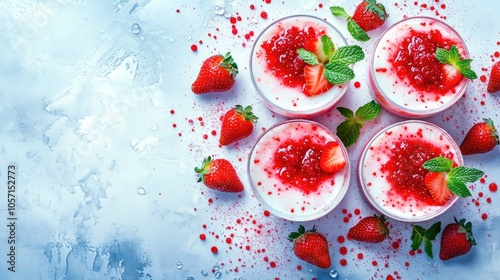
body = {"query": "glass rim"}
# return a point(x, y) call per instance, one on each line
point(414, 112)
point(320, 212)
point(372, 201)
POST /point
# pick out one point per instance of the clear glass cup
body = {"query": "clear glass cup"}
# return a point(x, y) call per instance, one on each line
point(284, 198)
point(283, 99)
point(373, 173)
point(397, 95)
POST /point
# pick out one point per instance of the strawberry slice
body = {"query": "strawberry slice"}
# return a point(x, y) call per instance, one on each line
point(436, 183)
point(316, 46)
point(332, 159)
point(315, 81)
point(451, 76)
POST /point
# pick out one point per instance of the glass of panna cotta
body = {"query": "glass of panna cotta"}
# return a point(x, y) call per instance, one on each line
point(390, 169)
point(277, 71)
point(285, 174)
point(405, 76)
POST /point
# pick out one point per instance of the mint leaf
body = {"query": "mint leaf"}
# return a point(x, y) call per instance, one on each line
point(438, 164)
point(348, 131)
point(420, 234)
point(356, 31)
point(307, 56)
point(339, 11)
point(369, 111)
point(458, 187)
point(347, 55)
point(466, 174)
point(338, 73)
point(346, 112)
point(328, 46)
point(453, 57)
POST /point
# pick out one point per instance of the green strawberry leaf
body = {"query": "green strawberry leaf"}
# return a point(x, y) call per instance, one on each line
point(369, 111)
point(356, 31)
point(307, 56)
point(438, 164)
point(346, 112)
point(347, 55)
point(339, 11)
point(338, 73)
point(420, 234)
point(348, 131)
point(453, 57)
point(458, 187)
point(466, 174)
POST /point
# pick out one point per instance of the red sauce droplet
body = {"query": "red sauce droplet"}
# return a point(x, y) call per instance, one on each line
point(343, 262)
point(343, 250)
point(482, 78)
point(484, 216)
point(357, 84)
point(203, 236)
point(214, 249)
point(263, 15)
point(493, 187)
point(194, 47)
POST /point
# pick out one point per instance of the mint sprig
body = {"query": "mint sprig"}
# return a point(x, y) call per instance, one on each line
point(349, 130)
point(420, 234)
point(453, 57)
point(456, 177)
point(337, 70)
point(354, 29)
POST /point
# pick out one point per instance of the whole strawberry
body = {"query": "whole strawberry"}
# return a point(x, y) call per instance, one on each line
point(217, 73)
point(369, 15)
point(456, 240)
point(237, 124)
point(494, 81)
point(481, 138)
point(369, 229)
point(219, 174)
point(311, 246)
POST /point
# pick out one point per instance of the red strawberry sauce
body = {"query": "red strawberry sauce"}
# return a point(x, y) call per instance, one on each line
point(296, 163)
point(281, 53)
point(415, 60)
point(404, 168)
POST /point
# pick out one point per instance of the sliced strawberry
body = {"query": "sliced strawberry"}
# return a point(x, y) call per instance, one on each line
point(436, 183)
point(451, 76)
point(332, 159)
point(316, 46)
point(315, 81)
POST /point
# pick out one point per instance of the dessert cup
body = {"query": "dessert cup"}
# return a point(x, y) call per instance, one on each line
point(405, 77)
point(280, 90)
point(309, 193)
point(390, 172)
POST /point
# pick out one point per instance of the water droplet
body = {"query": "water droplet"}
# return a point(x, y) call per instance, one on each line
point(179, 265)
point(227, 14)
point(218, 274)
point(219, 10)
point(227, 271)
point(190, 278)
point(334, 274)
point(142, 191)
point(254, 20)
point(136, 29)
point(215, 267)
point(204, 24)
point(204, 272)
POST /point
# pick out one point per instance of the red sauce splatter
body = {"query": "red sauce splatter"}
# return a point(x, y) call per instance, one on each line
point(267, 213)
point(194, 47)
point(484, 216)
point(203, 236)
point(482, 78)
point(343, 250)
point(263, 15)
point(343, 262)
point(172, 112)
point(493, 187)
point(357, 84)
point(360, 256)
point(214, 250)
point(341, 239)
point(272, 264)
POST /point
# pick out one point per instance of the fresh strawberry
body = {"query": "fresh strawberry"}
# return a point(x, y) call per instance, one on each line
point(237, 124)
point(369, 229)
point(369, 15)
point(481, 138)
point(217, 73)
point(311, 246)
point(494, 81)
point(220, 175)
point(319, 48)
point(315, 80)
point(456, 240)
point(332, 159)
point(451, 76)
point(436, 183)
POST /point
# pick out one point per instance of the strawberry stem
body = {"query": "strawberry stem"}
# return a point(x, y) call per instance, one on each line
point(229, 64)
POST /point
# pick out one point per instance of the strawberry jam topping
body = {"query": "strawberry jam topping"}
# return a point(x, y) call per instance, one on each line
point(296, 163)
point(404, 168)
point(281, 53)
point(415, 60)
